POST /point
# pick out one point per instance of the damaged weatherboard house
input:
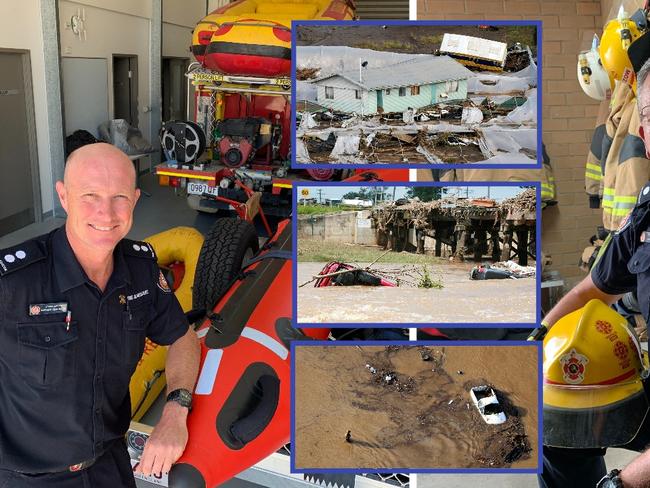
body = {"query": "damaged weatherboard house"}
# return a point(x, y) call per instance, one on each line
point(464, 100)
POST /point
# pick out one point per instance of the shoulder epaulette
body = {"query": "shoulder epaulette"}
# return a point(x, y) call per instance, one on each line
point(138, 249)
point(22, 255)
point(644, 195)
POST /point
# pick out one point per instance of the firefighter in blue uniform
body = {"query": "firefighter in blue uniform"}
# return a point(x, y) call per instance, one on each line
point(75, 308)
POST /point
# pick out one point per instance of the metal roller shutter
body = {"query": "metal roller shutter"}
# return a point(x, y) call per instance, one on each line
point(382, 9)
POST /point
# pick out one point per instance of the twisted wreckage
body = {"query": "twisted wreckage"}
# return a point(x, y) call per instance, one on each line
point(470, 227)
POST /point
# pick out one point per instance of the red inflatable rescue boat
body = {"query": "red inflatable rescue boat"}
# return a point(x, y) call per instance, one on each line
point(241, 400)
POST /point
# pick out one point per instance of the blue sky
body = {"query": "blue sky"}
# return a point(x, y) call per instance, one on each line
point(497, 192)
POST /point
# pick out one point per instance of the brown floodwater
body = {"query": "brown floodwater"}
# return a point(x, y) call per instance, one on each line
point(424, 418)
point(461, 300)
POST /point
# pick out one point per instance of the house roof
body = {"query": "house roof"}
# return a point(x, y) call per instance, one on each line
point(421, 70)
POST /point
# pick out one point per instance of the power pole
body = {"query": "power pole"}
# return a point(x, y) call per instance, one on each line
point(320, 195)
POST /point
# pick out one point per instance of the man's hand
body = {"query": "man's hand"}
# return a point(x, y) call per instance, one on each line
point(166, 443)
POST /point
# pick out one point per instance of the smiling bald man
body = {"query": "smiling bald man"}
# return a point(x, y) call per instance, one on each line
point(75, 308)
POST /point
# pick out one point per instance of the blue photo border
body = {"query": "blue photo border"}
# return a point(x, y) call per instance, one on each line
point(536, 344)
point(295, 24)
point(538, 267)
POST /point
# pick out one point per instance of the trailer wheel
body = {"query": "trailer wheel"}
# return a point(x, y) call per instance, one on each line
point(227, 244)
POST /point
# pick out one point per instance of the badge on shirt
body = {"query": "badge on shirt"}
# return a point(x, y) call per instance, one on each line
point(162, 283)
point(47, 308)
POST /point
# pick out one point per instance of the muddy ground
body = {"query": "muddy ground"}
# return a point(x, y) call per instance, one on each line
point(423, 417)
point(461, 300)
point(408, 39)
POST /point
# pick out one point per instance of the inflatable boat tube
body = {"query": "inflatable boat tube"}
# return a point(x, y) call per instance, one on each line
point(177, 245)
point(241, 409)
point(253, 37)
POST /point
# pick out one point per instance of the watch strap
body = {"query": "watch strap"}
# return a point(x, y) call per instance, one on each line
point(181, 396)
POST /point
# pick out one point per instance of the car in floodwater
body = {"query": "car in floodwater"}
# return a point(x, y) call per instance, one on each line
point(487, 403)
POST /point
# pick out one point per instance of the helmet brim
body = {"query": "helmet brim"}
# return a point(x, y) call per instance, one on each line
point(586, 417)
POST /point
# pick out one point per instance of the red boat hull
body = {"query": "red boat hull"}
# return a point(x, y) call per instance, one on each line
point(247, 360)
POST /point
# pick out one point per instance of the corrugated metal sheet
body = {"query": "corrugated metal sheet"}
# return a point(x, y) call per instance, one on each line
point(422, 70)
point(382, 9)
point(474, 47)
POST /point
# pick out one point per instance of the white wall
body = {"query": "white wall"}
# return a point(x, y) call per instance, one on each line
point(176, 41)
point(20, 28)
point(179, 19)
point(110, 32)
point(138, 8)
point(185, 12)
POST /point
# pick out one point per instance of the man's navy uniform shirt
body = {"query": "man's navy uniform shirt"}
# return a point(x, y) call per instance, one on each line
point(65, 385)
point(624, 265)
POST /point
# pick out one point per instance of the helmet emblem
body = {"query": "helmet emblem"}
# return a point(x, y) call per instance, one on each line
point(604, 327)
point(573, 367)
point(620, 350)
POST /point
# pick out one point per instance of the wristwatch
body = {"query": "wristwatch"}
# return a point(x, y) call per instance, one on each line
point(611, 480)
point(181, 396)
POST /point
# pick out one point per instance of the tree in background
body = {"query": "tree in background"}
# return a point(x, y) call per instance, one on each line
point(373, 193)
point(426, 193)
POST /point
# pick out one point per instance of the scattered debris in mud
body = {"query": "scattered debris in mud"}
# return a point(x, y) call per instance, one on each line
point(406, 415)
point(502, 444)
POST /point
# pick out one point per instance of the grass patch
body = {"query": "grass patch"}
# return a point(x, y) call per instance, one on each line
point(313, 250)
point(432, 41)
point(525, 34)
point(322, 209)
point(390, 45)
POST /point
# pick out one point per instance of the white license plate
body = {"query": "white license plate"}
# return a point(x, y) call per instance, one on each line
point(163, 480)
point(201, 188)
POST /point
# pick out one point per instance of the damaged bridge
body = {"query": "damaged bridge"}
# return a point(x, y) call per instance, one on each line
point(470, 228)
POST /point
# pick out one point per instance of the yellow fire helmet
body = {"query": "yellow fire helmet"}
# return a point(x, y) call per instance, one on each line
point(618, 35)
point(593, 389)
point(592, 76)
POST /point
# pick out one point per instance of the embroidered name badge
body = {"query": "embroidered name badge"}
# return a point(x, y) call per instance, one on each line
point(135, 296)
point(47, 308)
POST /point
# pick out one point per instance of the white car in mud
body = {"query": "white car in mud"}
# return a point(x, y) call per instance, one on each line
point(488, 405)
